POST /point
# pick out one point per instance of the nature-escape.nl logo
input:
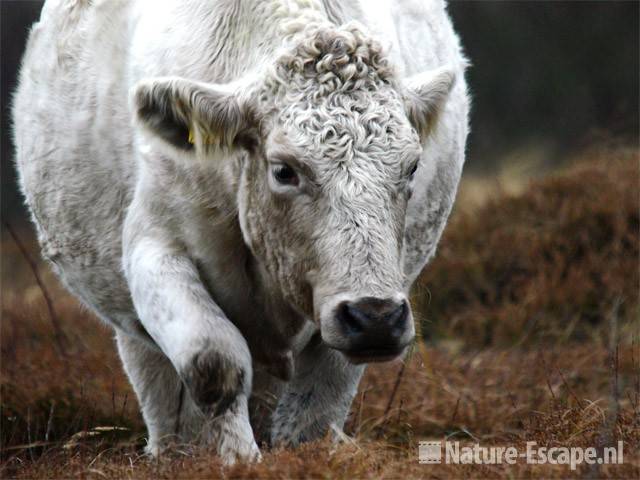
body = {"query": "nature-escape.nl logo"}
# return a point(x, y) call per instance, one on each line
point(455, 453)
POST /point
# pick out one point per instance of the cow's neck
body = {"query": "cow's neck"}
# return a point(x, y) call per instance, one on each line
point(247, 35)
point(240, 286)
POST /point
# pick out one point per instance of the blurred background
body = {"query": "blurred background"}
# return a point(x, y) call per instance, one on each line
point(529, 313)
point(546, 77)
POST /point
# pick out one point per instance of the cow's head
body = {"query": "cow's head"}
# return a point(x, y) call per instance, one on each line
point(326, 144)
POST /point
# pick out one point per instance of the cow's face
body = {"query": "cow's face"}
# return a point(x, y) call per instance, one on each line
point(331, 143)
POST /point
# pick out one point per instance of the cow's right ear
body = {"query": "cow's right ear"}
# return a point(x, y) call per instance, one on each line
point(191, 115)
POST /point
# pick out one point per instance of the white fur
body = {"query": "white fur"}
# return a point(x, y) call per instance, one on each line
point(219, 283)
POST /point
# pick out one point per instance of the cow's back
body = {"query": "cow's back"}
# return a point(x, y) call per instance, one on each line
point(73, 146)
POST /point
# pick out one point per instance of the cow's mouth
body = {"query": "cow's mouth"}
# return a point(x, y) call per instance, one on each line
point(373, 355)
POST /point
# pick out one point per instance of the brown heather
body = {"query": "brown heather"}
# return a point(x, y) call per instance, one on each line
point(546, 265)
point(531, 316)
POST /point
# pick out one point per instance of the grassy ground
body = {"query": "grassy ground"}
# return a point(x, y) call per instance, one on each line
point(530, 315)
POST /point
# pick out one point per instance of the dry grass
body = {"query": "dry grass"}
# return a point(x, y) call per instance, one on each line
point(547, 264)
point(548, 370)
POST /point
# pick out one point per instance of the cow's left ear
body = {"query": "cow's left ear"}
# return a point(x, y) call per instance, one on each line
point(191, 115)
point(425, 96)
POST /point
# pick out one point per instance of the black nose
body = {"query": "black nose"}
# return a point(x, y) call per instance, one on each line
point(373, 325)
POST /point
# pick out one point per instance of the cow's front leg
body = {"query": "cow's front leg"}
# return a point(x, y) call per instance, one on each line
point(171, 415)
point(318, 398)
point(208, 353)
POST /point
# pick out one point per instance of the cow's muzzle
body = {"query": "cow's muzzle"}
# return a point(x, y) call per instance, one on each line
point(373, 329)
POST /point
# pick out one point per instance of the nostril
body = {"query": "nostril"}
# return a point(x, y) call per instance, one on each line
point(350, 318)
point(397, 320)
point(397, 316)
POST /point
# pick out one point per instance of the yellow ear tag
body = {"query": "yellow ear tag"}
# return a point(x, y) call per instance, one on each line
point(208, 139)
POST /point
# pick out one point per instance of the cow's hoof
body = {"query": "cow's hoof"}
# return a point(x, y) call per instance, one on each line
point(215, 380)
point(234, 451)
point(233, 436)
point(153, 450)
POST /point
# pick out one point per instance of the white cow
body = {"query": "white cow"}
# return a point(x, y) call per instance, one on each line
point(245, 190)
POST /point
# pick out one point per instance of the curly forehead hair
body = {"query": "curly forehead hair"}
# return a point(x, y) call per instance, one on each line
point(335, 92)
point(334, 59)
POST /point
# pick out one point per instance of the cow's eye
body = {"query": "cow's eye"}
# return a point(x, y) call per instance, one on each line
point(285, 175)
point(413, 170)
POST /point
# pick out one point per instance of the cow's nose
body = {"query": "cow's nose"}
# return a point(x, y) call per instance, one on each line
point(374, 327)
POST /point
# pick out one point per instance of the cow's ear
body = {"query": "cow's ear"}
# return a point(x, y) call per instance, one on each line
point(425, 96)
point(190, 115)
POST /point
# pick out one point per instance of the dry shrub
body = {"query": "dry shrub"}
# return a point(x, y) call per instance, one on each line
point(48, 394)
point(548, 264)
point(577, 393)
point(494, 397)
